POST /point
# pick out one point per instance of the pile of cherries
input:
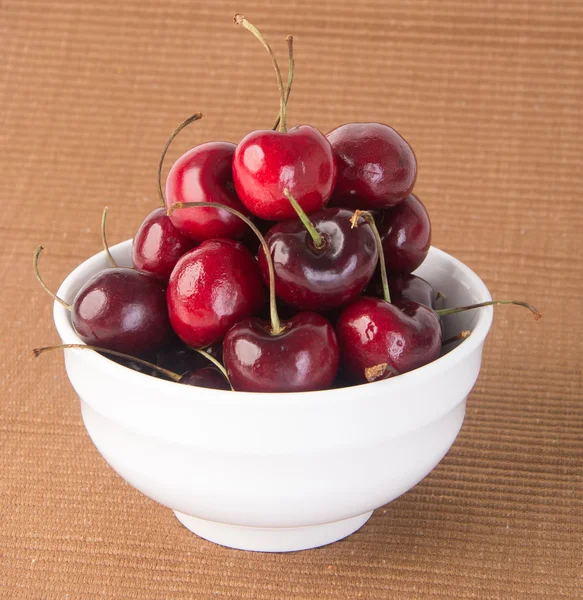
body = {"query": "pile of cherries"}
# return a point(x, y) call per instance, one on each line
point(326, 225)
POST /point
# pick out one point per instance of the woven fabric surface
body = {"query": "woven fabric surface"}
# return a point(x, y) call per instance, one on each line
point(490, 96)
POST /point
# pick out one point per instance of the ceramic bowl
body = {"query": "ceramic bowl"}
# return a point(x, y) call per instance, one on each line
point(278, 472)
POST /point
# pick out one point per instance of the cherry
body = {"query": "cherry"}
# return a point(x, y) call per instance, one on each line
point(266, 161)
point(207, 377)
point(406, 235)
point(158, 245)
point(320, 262)
point(211, 288)
point(405, 287)
point(376, 166)
point(180, 358)
point(120, 309)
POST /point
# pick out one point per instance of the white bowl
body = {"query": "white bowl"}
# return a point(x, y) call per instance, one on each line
point(278, 472)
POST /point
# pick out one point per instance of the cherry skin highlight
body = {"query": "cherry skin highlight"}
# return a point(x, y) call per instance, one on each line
point(124, 310)
point(377, 168)
point(158, 245)
point(406, 235)
point(267, 162)
point(309, 278)
point(304, 357)
point(404, 336)
point(204, 174)
point(211, 288)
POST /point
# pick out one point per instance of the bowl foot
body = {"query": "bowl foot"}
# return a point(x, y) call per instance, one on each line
point(272, 539)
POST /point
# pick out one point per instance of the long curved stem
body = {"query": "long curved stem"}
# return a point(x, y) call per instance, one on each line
point(318, 240)
point(276, 327)
point(44, 285)
point(370, 220)
point(451, 311)
point(215, 362)
point(104, 239)
point(241, 20)
point(145, 363)
point(180, 127)
point(290, 75)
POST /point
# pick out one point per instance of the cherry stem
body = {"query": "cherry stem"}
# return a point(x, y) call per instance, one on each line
point(462, 335)
point(318, 240)
point(145, 363)
point(370, 220)
point(450, 311)
point(44, 285)
point(217, 364)
point(276, 327)
point(290, 75)
point(373, 373)
point(241, 20)
point(180, 127)
point(104, 239)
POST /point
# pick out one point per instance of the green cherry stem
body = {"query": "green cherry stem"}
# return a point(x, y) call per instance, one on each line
point(451, 311)
point(104, 239)
point(370, 220)
point(215, 362)
point(44, 285)
point(145, 363)
point(318, 240)
point(241, 20)
point(276, 327)
point(192, 119)
point(290, 75)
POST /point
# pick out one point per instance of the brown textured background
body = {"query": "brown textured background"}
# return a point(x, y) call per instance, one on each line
point(489, 94)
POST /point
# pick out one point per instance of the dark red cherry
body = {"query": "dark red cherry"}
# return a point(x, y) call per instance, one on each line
point(122, 309)
point(158, 245)
point(303, 357)
point(311, 278)
point(376, 166)
point(180, 359)
point(371, 332)
point(406, 235)
point(300, 160)
point(204, 174)
point(211, 288)
point(207, 377)
point(405, 287)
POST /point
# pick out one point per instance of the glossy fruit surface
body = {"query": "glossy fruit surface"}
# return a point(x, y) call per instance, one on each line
point(211, 288)
point(404, 335)
point(158, 245)
point(406, 235)
point(302, 358)
point(266, 162)
point(204, 174)
point(309, 278)
point(376, 166)
point(405, 287)
point(207, 377)
point(122, 309)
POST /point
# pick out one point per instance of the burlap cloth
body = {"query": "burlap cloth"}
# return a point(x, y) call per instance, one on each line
point(489, 94)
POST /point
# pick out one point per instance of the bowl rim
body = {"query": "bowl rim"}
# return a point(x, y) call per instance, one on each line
point(109, 367)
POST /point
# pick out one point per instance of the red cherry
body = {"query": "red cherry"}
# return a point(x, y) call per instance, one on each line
point(303, 357)
point(312, 278)
point(207, 377)
point(211, 288)
point(405, 287)
point(158, 245)
point(406, 235)
point(204, 174)
point(300, 160)
point(372, 332)
point(376, 166)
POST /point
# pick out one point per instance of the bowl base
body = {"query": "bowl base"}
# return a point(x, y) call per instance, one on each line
point(272, 539)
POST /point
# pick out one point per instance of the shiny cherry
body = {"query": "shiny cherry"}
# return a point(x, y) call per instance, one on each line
point(312, 278)
point(300, 160)
point(207, 377)
point(204, 174)
point(211, 288)
point(376, 166)
point(405, 287)
point(302, 357)
point(402, 336)
point(180, 358)
point(406, 235)
point(158, 245)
